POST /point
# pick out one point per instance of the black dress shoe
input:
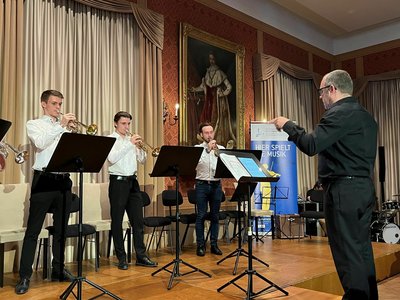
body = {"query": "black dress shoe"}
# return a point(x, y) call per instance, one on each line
point(146, 262)
point(65, 276)
point(216, 250)
point(201, 251)
point(22, 286)
point(122, 264)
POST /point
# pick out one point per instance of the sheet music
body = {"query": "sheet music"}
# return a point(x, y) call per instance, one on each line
point(251, 167)
point(234, 165)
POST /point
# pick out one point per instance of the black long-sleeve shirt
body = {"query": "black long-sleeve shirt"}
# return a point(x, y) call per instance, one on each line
point(345, 140)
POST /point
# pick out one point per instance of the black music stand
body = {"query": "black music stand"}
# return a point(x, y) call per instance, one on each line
point(241, 195)
point(258, 175)
point(74, 153)
point(175, 161)
point(4, 126)
point(276, 194)
point(223, 172)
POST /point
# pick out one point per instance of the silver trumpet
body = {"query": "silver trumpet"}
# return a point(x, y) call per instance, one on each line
point(20, 156)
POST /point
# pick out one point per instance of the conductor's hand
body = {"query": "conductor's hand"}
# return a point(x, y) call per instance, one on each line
point(279, 122)
point(67, 120)
point(136, 139)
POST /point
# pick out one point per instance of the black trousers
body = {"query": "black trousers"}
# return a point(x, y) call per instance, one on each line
point(348, 209)
point(48, 193)
point(124, 196)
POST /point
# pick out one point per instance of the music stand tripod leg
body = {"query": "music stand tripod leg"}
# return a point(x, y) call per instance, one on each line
point(78, 280)
point(250, 271)
point(239, 250)
point(175, 271)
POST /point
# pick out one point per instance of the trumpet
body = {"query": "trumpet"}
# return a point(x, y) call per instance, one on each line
point(155, 151)
point(215, 148)
point(90, 129)
point(20, 156)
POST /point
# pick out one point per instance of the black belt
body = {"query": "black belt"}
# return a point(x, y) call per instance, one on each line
point(53, 176)
point(339, 178)
point(208, 181)
point(123, 178)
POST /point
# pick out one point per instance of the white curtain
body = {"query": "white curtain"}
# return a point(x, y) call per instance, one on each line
point(381, 98)
point(90, 55)
point(295, 99)
point(286, 90)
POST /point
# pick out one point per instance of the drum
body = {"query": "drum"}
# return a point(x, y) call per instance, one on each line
point(391, 205)
point(385, 232)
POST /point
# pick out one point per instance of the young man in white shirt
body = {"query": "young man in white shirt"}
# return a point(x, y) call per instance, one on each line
point(48, 190)
point(124, 190)
point(208, 190)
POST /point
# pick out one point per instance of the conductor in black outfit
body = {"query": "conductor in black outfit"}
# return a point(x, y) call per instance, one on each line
point(345, 141)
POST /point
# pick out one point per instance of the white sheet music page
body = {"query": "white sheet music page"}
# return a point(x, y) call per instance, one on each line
point(234, 165)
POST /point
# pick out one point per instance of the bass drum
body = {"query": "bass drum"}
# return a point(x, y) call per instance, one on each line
point(385, 232)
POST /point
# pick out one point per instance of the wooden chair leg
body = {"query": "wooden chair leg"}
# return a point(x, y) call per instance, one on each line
point(45, 258)
point(109, 244)
point(38, 255)
point(151, 239)
point(184, 235)
point(97, 249)
point(1, 265)
point(159, 239)
point(128, 232)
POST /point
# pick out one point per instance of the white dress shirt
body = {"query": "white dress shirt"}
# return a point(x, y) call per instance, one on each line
point(124, 156)
point(207, 164)
point(44, 133)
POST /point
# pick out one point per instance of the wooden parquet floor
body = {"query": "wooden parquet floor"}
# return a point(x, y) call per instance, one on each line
point(290, 263)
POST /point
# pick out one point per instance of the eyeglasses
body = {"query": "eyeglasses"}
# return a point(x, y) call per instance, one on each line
point(321, 90)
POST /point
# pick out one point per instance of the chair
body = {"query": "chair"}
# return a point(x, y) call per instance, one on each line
point(191, 193)
point(256, 215)
point(13, 218)
point(317, 197)
point(72, 231)
point(155, 222)
point(169, 199)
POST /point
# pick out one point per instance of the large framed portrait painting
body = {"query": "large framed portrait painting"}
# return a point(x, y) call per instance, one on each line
point(211, 87)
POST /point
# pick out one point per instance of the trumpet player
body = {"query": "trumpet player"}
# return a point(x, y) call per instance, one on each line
point(124, 190)
point(208, 190)
point(47, 189)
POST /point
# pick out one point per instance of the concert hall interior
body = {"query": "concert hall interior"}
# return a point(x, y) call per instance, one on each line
point(233, 101)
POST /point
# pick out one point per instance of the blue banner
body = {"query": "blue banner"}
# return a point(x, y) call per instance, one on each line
point(279, 157)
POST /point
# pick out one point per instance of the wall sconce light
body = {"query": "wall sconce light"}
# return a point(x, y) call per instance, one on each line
point(167, 114)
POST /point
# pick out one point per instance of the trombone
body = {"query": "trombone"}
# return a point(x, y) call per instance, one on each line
point(155, 151)
point(20, 156)
point(90, 129)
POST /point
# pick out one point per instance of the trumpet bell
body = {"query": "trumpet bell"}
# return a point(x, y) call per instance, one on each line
point(91, 129)
point(21, 157)
point(155, 152)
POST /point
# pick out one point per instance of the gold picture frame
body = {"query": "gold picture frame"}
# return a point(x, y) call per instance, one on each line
point(210, 87)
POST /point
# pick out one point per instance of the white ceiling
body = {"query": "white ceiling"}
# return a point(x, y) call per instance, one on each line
point(335, 26)
point(341, 17)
